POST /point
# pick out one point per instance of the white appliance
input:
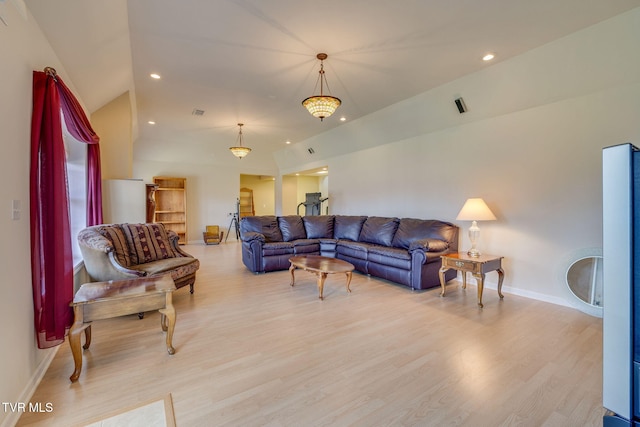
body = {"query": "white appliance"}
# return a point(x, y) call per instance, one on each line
point(621, 285)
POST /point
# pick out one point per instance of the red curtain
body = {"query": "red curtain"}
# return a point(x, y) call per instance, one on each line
point(51, 258)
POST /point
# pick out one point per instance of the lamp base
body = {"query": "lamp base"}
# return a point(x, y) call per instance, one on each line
point(474, 233)
point(473, 253)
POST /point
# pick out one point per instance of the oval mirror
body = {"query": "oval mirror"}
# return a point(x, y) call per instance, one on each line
point(584, 279)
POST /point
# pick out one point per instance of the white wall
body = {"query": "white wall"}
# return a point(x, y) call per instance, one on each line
point(530, 145)
point(23, 49)
point(124, 200)
point(113, 122)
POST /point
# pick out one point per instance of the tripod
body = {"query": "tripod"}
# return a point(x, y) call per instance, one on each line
point(234, 221)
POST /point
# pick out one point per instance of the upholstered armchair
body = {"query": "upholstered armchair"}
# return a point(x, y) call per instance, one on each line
point(126, 251)
point(212, 236)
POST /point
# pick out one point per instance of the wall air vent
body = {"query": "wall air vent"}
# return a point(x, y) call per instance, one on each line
point(197, 112)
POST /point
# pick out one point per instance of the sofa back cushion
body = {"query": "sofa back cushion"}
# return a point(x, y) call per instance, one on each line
point(292, 228)
point(411, 229)
point(266, 225)
point(379, 230)
point(318, 226)
point(119, 241)
point(147, 242)
point(348, 227)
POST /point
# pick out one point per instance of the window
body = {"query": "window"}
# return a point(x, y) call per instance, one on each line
point(77, 183)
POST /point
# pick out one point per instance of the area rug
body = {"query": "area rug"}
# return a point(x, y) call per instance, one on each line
point(155, 413)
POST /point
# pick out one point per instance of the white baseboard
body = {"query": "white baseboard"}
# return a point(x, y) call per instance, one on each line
point(520, 292)
point(32, 385)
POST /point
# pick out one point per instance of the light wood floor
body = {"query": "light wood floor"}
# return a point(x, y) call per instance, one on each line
point(253, 351)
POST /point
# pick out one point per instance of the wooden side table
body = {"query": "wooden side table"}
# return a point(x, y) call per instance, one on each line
point(104, 300)
point(478, 266)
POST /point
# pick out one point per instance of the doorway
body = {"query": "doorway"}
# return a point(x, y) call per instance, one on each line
point(264, 194)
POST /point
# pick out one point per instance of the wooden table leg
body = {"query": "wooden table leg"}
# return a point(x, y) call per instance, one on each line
point(321, 278)
point(348, 281)
point(500, 279)
point(75, 333)
point(480, 279)
point(293, 277)
point(168, 320)
point(87, 337)
point(441, 274)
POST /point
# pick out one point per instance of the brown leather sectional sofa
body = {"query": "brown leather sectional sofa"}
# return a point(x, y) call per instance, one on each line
point(402, 250)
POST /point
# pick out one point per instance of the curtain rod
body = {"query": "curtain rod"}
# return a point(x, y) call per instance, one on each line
point(51, 72)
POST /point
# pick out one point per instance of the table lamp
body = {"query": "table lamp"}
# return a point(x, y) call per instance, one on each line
point(475, 210)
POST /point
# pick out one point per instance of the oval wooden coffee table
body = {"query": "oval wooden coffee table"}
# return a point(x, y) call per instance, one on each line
point(321, 266)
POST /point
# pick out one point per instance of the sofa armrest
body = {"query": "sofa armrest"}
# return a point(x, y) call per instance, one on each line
point(429, 245)
point(173, 239)
point(250, 236)
point(101, 263)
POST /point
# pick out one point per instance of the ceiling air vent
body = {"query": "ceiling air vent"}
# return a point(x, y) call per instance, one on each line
point(197, 112)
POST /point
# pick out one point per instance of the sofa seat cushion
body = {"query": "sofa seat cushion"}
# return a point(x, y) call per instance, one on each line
point(306, 246)
point(277, 248)
point(379, 230)
point(348, 227)
point(395, 257)
point(291, 227)
point(318, 226)
point(266, 225)
point(147, 242)
point(186, 265)
point(356, 250)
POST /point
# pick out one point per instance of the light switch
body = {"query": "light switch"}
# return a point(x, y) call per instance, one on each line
point(15, 209)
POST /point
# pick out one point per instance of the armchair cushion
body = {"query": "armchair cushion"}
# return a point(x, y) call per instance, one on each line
point(292, 228)
point(147, 243)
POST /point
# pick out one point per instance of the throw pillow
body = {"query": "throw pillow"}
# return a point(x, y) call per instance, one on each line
point(119, 242)
point(147, 242)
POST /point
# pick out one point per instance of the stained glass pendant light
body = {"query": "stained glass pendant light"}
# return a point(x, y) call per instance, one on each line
point(239, 151)
point(322, 105)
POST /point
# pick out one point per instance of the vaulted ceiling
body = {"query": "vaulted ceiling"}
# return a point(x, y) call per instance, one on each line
point(254, 61)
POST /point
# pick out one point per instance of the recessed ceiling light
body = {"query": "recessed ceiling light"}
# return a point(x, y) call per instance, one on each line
point(342, 119)
point(488, 57)
point(154, 76)
point(288, 142)
point(151, 122)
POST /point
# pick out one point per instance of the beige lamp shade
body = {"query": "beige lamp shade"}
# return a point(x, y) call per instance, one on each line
point(475, 210)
